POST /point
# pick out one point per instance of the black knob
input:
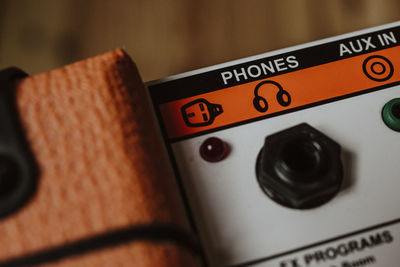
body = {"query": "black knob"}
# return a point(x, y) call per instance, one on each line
point(9, 176)
point(300, 167)
point(18, 169)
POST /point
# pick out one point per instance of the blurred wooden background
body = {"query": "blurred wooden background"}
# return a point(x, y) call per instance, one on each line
point(166, 37)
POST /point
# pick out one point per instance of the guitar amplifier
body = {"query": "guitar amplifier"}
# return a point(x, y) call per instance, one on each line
point(288, 158)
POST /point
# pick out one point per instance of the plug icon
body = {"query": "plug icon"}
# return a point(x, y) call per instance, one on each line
point(200, 112)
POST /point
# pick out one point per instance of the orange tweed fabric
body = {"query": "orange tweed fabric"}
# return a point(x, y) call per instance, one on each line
point(102, 166)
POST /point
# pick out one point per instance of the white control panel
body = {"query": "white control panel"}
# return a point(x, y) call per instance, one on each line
point(215, 122)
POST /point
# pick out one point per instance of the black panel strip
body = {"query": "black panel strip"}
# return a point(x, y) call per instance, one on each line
point(307, 57)
point(157, 233)
point(382, 225)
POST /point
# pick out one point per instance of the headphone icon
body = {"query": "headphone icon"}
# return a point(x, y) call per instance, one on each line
point(261, 104)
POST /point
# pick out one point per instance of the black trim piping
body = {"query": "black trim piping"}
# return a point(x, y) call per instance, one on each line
point(156, 233)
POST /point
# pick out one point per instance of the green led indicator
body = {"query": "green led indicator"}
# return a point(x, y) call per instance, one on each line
point(391, 114)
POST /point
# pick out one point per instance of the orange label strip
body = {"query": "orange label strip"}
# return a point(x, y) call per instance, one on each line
point(235, 104)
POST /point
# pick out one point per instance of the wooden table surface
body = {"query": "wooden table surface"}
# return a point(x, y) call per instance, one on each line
point(166, 37)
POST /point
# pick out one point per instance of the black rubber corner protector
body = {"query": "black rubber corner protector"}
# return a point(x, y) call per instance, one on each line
point(18, 169)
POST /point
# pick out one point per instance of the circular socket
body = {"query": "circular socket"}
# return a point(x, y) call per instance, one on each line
point(301, 159)
point(300, 167)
